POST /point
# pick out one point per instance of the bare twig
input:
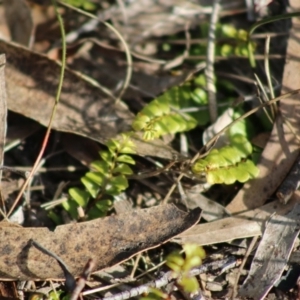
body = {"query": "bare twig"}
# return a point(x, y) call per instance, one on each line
point(210, 59)
point(169, 277)
point(179, 60)
point(88, 269)
point(274, 109)
point(47, 134)
point(249, 250)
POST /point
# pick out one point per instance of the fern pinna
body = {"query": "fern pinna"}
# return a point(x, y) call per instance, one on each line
point(106, 179)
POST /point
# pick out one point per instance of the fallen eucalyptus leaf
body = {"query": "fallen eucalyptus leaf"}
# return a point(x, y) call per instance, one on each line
point(248, 224)
point(107, 241)
point(272, 254)
point(32, 80)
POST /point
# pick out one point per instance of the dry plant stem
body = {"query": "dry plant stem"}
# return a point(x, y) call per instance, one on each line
point(167, 278)
point(179, 60)
point(152, 173)
point(210, 59)
point(236, 77)
point(80, 284)
point(268, 74)
point(126, 48)
point(46, 138)
point(15, 170)
point(136, 262)
point(105, 288)
point(267, 67)
point(264, 98)
point(260, 23)
point(172, 188)
point(249, 250)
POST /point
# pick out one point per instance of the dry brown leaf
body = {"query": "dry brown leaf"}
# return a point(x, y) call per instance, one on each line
point(107, 241)
point(272, 254)
point(283, 147)
point(32, 80)
point(244, 225)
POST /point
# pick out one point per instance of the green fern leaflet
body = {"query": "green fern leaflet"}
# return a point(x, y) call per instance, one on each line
point(228, 164)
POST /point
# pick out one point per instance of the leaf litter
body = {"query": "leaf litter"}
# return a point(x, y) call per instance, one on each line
point(86, 110)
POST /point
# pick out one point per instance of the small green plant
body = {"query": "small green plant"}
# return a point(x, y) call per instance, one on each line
point(167, 113)
point(181, 266)
point(58, 295)
point(231, 162)
point(162, 115)
point(230, 41)
point(228, 164)
point(106, 179)
point(108, 176)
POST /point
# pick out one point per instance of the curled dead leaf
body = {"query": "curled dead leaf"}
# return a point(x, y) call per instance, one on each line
point(107, 241)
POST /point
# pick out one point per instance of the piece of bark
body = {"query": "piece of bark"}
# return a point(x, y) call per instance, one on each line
point(272, 254)
point(107, 241)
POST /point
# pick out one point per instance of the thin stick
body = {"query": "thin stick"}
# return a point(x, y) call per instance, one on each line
point(260, 23)
point(249, 250)
point(80, 284)
point(268, 74)
point(167, 278)
point(210, 59)
point(58, 93)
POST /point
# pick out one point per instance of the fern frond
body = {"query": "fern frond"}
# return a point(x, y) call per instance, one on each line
point(228, 164)
point(162, 115)
point(107, 178)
